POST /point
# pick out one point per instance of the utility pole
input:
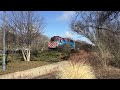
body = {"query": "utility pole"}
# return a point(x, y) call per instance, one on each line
point(4, 46)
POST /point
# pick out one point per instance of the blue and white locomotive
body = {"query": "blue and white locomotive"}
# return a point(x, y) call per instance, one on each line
point(56, 42)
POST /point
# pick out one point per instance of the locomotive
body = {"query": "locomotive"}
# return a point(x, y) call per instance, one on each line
point(57, 41)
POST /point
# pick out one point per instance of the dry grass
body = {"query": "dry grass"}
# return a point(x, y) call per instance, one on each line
point(76, 71)
point(101, 72)
point(22, 65)
point(89, 57)
point(107, 72)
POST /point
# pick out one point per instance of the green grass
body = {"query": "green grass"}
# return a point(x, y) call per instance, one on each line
point(22, 65)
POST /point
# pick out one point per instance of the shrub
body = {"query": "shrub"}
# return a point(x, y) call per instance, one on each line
point(14, 57)
point(76, 71)
point(49, 56)
point(35, 52)
point(65, 48)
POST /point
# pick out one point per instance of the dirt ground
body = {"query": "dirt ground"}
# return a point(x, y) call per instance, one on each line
point(48, 76)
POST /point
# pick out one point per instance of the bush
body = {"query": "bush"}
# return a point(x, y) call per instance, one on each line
point(49, 56)
point(86, 47)
point(14, 57)
point(108, 49)
point(65, 48)
point(76, 71)
point(35, 53)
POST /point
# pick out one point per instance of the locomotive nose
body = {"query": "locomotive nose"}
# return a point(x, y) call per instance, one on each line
point(52, 44)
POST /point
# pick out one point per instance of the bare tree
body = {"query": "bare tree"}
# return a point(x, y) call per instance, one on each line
point(101, 28)
point(27, 27)
point(40, 43)
point(91, 23)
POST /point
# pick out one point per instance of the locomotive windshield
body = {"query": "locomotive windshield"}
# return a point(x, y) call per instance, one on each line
point(52, 39)
point(55, 38)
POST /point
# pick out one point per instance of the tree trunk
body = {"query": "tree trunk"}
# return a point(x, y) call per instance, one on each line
point(23, 53)
point(26, 54)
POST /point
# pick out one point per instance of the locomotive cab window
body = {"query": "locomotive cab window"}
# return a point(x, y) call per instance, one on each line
point(52, 39)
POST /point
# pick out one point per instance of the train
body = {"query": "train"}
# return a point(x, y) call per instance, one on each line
point(57, 41)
